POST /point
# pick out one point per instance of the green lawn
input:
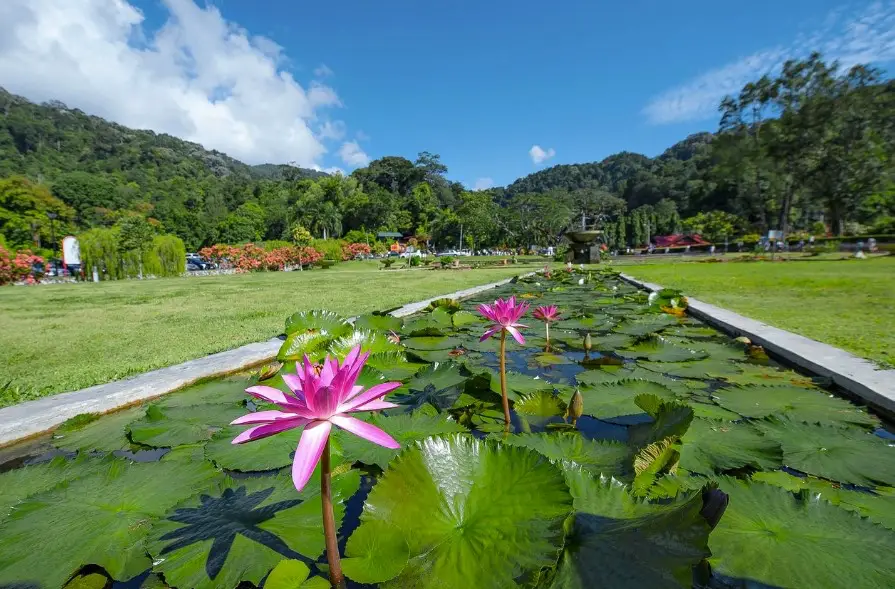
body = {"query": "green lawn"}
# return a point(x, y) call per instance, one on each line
point(57, 338)
point(849, 304)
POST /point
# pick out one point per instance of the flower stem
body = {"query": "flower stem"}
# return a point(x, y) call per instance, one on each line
point(503, 380)
point(336, 578)
point(547, 325)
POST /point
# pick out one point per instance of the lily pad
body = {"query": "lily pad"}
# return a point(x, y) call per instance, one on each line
point(495, 515)
point(369, 341)
point(438, 385)
point(262, 454)
point(405, 429)
point(288, 574)
point(375, 553)
point(619, 541)
point(597, 456)
point(847, 455)
point(616, 399)
point(241, 530)
point(809, 405)
point(309, 332)
point(519, 385)
point(164, 427)
point(658, 349)
point(645, 325)
point(752, 374)
point(717, 446)
point(431, 343)
point(21, 483)
point(709, 410)
point(540, 404)
point(464, 318)
point(670, 420)
point(226, 390)
point(92, 432)
point(101, 519)
point(378, 323)
point(698, 369)
point(771, 536)
point(88, 581)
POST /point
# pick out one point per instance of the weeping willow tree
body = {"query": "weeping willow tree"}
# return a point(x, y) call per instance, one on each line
point(166, 256)
point(99, 249)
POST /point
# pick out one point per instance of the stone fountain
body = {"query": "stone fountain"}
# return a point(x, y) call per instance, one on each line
point(585, 246)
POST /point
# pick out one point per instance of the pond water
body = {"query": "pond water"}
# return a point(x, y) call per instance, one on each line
point(674, 414)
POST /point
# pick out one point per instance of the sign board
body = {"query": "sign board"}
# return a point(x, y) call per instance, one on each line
point(775, 234)
point(71, 251)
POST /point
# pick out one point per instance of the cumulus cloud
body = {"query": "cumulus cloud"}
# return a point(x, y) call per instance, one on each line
point(483, 183)
point(352, 154)
point(323, 71)
point(332, 130)
point(539, 154)
point(198, 76)
point(865, 36)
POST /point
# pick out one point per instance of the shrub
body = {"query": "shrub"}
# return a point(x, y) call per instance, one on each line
point(330, 248)
point(99, 249)
point(17, 267)
point(818, 228)
point(414, 261)
point(166, 256)
point(387, 262)
point(274, 244)
point(352, 250)
point(446, 261)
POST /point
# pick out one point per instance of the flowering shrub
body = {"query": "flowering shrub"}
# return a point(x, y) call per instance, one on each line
point(13, 269)
point(352, 250)
point(251, 258)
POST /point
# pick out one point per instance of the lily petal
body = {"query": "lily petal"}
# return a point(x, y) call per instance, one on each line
point(490, 332)
point(365, 430)
point(370, 394)
point(269, 429)
point(274, 396)
point(376, 405)
point(263, 417)
point(293, 381)
point(517, 335)
point(310, 447)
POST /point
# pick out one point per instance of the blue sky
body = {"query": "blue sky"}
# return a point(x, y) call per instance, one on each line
point(492, 86)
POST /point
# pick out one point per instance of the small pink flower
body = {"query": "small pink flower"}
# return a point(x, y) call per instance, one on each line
point(504, 315)
point(393, 337)
point(320, 398)
point(548, 313)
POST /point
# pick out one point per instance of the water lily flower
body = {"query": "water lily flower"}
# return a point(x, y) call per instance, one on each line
point(576, 407)
point(652, 298)
point(548, 314)
point(393, 337)
point(504, 315)
point(580, 281)
point(588, 344)
point(320, 397)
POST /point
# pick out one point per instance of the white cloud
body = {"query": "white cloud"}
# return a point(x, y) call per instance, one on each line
point(198, 77)
point(332, 130)
point(867, 36)
point(323, 71)
point(353, 155)
point(361, 136)
point(331, 170)
point(539, 154)
point(483, 183)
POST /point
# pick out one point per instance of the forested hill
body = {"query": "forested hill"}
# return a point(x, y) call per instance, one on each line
point(812, 149)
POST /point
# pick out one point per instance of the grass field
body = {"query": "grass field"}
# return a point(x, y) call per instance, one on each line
point(57, 338)
point(849, 303)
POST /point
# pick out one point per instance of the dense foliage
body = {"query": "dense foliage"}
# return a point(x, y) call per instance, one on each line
point(808, 150)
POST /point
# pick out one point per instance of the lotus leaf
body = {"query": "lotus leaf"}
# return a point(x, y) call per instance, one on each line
point(597, 456)
point(438, 385)
point(373, 322)
point(658, 349)
point(92, 432)
point(375, 553)
point(809, 405)
point(646, 325)
point(717, 446)
point(474, 513)
point(616, 399)
point(164, 427)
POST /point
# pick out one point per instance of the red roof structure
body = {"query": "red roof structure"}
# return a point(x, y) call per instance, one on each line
point(679, 240)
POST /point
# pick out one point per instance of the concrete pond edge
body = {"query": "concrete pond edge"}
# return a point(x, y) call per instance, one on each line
point(857, 376)
point(34, 418)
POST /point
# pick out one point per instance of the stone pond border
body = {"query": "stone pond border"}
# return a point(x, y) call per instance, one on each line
point(857, 376)
point(33, 418)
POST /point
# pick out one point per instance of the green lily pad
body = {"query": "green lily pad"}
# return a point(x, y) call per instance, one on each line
point(781, 479)
point(716, 446)
point(404, 428)
point(92, 432)
point(692, 331)
point(619, 541)
point(708, 410)
point(645, 325)
point(752, 374)
point(464, 318)
point(716, 350)
point(241, 530)
point(288, 574)
point(597, 456)
point(369, 341)
point(88, 581)
point(698, 369)
point(164, 427)
point(100, 519)
point(378, 323)
point(262, 454)
point(438, 385)
point(549, 359)
point(393, 365)
point(431, 343)
point(226, 390)
point(603, 374)
point(670, 420)
point(495, 515)
point(847, 455)
point(616, 399)
point(809, 405)
point(540, 404)
point(658, 349)
point(309, 332)
point(21, 483)
point(770, 536)
point(375, 553)
point(519, 385)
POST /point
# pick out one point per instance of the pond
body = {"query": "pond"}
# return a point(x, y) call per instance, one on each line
point(677, 420)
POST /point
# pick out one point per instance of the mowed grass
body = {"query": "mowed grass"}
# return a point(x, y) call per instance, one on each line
point(57, 338)
point(849, 303)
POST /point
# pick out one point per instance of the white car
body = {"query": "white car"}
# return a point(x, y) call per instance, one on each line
point(414, 254)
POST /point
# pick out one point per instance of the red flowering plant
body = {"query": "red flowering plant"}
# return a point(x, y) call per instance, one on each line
point(14, 269)
point(352, 250)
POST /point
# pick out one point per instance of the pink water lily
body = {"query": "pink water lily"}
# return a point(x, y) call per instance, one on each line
point(548, 313)
point(321, 396)
point(504, 315)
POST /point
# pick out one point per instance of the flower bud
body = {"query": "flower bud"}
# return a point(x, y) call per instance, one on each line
point(576, 406)
point(588, 344)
